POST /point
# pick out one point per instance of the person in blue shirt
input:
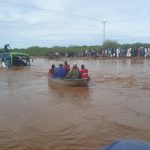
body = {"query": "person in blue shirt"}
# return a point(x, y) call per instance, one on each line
point(60, 72)
point(128, 145)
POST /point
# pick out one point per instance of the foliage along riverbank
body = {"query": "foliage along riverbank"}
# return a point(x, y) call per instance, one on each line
point(45, 51)
point(72, 51)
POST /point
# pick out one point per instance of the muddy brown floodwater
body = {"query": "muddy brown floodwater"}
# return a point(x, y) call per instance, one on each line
point(36, 116)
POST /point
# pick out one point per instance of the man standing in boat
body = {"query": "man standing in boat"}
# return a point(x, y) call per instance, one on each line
point(66, 67)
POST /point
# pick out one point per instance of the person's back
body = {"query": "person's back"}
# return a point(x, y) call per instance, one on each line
point(84, 73)
point(66, 66)
point(74, 73)
point(60, 72)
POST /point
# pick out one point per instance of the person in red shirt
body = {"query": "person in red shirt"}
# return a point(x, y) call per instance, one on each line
point(84, 73)
point(66, 67)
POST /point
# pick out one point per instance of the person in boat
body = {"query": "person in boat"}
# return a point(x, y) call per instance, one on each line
point(60, 72)
point(6, 48)
point(84, 73)
point(74, 73)
point(51, 71)
point(66, 67)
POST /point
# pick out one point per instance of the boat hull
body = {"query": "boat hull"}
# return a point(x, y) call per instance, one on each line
point(68, 82)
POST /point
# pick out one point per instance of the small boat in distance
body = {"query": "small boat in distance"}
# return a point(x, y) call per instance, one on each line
point(68, 82)
point(11, 59)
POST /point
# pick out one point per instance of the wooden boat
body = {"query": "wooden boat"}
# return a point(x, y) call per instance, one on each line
point(10, 59)
point(68, 82)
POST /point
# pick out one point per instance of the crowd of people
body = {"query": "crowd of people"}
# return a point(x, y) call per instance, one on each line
point(64, 71)
point(119, 52)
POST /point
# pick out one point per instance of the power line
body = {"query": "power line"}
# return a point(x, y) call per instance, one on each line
point(45, 25)
point(51, 35)
point(63, 34)
point(50, 11)
point(47, 10)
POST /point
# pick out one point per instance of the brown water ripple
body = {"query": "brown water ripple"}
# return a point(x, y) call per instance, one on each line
point(115, 106)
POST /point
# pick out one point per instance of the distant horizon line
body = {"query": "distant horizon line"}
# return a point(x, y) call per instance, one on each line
point(142, 43)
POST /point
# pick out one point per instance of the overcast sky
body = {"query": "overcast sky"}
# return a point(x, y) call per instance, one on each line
point(47, 23)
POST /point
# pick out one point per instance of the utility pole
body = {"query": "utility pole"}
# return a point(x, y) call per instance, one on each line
point(104, 23)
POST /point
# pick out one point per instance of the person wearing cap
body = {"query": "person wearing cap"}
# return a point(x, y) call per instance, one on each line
point(84, 73)
point(60, 72)
point(74, 73)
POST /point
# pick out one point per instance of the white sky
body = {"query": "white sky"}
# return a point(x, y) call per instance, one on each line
point(47, 23)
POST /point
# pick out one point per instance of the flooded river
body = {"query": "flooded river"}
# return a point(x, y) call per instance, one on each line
point(36, 116)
